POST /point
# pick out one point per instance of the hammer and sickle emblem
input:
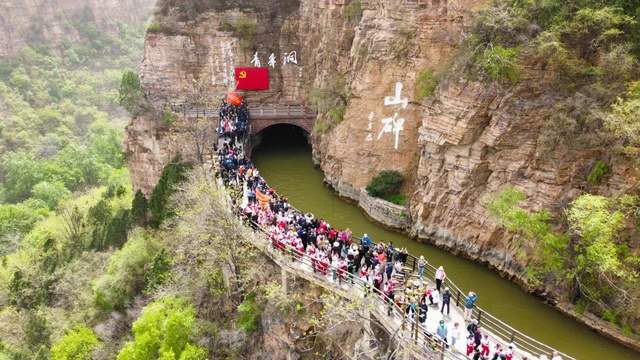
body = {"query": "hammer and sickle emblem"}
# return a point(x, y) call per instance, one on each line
point(242, 75)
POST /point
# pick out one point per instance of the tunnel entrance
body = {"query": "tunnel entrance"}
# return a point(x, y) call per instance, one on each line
point(280, 137)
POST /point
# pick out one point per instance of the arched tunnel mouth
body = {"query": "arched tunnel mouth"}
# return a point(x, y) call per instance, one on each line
point(280, 138)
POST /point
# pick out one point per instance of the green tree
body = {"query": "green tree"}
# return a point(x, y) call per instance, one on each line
point(139, 208)
point(163, 331)
point(594, 219)
point(130, 94)
point(50, 192)
point(77, 344)
point(548, 247)
point(21, 172)
point(172, 174)
point(249, 314)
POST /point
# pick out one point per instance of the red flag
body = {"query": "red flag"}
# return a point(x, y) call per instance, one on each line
point(252, 78)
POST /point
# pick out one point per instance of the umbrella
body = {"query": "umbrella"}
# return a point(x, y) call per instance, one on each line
point(234, 99)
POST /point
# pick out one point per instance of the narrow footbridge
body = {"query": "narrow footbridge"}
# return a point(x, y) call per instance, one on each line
point(262, 115)
point(414, 340)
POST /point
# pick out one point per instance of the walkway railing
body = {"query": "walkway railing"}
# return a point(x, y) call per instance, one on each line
point(259, 112)
point(487, 320)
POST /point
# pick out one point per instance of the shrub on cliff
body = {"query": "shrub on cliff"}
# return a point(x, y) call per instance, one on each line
point(330, 101)
point(173, 174)
point(130, 95)
point(353, 11)
point(386, 184)
point(599, 170)
point(426, 83)
point(249, 314)
point(139, 208)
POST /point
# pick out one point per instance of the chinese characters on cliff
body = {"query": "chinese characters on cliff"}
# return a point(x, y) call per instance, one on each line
point(287, 58)
point(393, 124)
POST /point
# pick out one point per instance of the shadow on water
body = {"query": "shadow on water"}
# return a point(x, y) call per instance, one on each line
point(283, 156)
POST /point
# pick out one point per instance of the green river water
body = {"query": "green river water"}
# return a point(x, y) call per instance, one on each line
point(284, 160)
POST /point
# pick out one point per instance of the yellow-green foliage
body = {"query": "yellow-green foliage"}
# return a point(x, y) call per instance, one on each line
point(600, 262)
point(426, 83)
point(549, 247)
point(500, 64)
point(77, 344)
point(598, 223)
point(125, 276)
point(624, 119)
point(164, 331)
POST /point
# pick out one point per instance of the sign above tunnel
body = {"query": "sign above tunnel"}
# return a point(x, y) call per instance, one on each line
point(252, 78)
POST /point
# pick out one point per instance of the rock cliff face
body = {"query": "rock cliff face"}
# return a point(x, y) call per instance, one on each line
point(375, 49)
point(22, 21)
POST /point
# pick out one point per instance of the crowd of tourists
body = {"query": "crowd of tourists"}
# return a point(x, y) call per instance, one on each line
point(343, 259)
point(234, 120)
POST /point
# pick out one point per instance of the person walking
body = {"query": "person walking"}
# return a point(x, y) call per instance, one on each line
point(421, 265)
point(455, 334)
point(446, 300)
point(423, 312)
point(440, 276)
point(441, 331)
point(485, 345)
point(469, 304)
point(556, 356)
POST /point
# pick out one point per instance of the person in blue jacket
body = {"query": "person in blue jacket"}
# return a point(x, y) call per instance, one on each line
point(366, 241)
point(469, 304)
point(441, 331)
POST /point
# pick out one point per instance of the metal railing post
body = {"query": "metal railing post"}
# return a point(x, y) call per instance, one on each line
point(417, 318)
